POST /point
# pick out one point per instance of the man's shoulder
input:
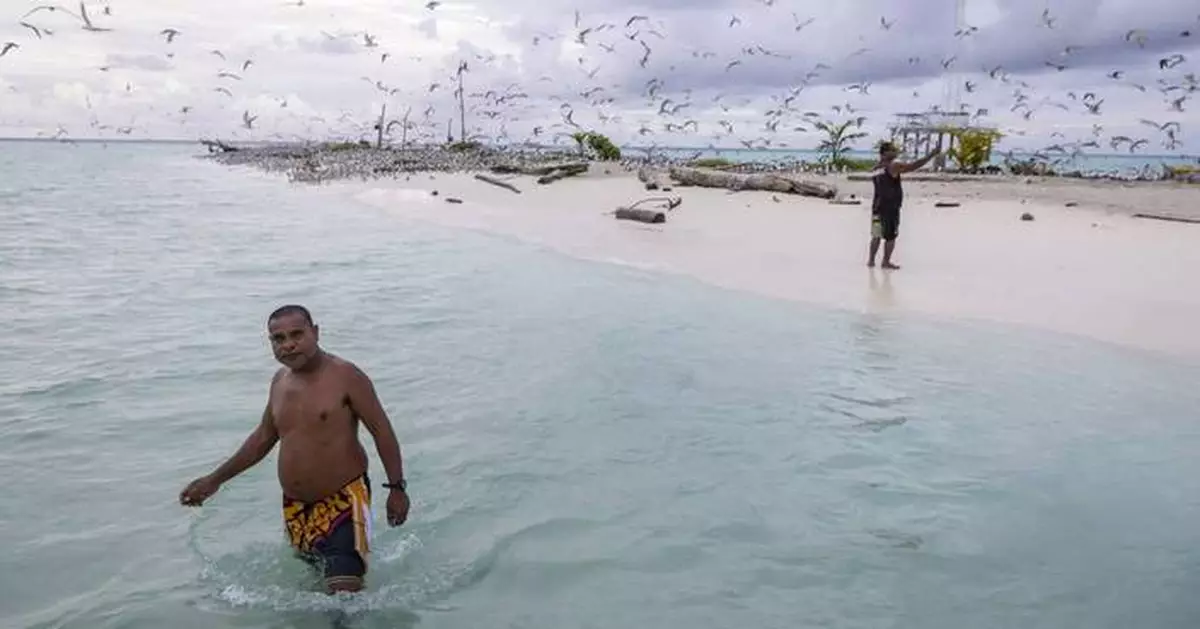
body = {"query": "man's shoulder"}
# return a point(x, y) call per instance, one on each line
point(278, 375)
point(343, 368)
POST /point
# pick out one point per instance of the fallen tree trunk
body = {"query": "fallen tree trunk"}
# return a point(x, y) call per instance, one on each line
point(640, 215)
point(537, 171)
point(772, 182)
point(647, 215)
point(651, 179)
point(1167, 217)
point(497, 182)
point(563, 172)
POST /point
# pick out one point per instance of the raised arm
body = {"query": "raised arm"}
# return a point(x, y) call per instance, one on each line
point(903, 167)
point(253, 449)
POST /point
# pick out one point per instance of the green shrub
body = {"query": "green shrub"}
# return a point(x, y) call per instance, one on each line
point(603, 147)
point(973, 147)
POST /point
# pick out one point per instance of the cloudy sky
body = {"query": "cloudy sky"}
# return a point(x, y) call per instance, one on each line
point(323, 68)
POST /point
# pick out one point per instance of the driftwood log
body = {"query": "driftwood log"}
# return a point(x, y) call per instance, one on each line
point(641, 215)
point(563, 172)
point(648, 215)
point(650, 178)
point(537, 171)
point(497, 182)
point(772, 182)
point(1167, 217)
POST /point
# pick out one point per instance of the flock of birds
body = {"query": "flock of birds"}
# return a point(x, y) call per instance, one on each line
point(668, 107)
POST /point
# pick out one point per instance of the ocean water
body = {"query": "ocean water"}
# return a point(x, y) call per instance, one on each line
point(587, 445)
point(1092, 163)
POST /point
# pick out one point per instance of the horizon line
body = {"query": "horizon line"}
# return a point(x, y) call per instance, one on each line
point(94, 140)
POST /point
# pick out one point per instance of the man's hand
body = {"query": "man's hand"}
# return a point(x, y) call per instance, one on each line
point(397, 507)
point(198, 491)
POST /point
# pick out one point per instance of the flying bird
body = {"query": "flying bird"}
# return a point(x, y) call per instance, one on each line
point(87, 21)
point(48, 7)
point(1048, 20)
point(36, 31)
point(7, 47)
point(1166, 63)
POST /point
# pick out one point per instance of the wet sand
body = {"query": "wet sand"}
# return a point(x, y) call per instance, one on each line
point(1092, 270)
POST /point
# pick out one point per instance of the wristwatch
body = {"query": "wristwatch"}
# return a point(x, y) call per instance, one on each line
point(401, 484)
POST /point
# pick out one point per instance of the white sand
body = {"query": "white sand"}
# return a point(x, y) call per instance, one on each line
point(1092, 270)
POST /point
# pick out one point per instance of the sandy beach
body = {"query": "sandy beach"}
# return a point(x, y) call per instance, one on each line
point(1091, 269)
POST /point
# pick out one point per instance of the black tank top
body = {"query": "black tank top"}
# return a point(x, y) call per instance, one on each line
point(889, 195)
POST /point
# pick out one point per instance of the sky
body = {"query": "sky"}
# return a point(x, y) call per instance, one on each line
point(724, 73)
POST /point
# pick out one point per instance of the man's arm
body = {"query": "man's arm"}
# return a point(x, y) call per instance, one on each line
point(254, 448)
point(365, 403)
point(901, 167)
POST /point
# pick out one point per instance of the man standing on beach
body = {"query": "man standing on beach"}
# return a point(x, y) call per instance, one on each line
point(889, 196)
point(315, 404)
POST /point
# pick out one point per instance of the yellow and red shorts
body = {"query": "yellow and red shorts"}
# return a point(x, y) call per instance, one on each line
point(335, 531)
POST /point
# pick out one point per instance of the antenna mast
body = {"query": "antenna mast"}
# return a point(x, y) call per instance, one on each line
point(952, 88)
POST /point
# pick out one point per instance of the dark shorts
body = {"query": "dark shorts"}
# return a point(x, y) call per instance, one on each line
point(885, 223)
point(333, 533)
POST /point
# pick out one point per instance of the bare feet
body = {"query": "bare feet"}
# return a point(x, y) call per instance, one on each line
point(889, 265)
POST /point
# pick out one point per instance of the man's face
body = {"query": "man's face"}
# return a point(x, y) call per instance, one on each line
point(888, 155)
point(293, 339)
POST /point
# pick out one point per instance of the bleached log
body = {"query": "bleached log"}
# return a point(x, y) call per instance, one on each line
point(563, 172)
point(772, 182)
point(497, 182)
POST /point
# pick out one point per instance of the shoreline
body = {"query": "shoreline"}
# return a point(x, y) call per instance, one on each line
point(1091, 269)
point(1112, 278)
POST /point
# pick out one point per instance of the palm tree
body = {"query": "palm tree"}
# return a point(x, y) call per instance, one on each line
point(838, 138)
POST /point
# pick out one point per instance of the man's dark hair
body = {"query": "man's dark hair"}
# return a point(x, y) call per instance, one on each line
point(289, 309)
point(886, 147)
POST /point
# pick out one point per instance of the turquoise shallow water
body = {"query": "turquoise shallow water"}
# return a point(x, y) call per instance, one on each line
point(588, 445)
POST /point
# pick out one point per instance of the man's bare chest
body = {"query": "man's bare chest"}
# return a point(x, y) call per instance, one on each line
point(311, 408)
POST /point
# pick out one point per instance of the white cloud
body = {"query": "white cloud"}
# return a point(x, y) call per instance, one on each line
point(315, 71)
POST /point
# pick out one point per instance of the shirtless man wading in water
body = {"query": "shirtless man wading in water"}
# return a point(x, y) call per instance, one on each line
point(315, 404)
